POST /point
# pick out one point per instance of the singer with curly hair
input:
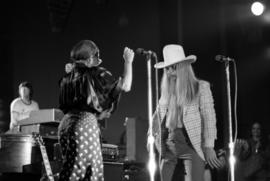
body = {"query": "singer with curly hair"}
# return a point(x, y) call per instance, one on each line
point(88, 93)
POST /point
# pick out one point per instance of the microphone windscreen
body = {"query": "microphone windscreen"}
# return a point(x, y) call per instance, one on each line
point(139, 51)
point(218, 57)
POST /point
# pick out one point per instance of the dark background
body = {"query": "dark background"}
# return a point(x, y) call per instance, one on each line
point(36, 37)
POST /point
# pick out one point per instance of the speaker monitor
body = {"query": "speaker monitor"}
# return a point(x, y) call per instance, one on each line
point(136, 132)
point(112, 170)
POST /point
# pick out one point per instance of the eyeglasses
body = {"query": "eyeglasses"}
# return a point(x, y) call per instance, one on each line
point(172, 67)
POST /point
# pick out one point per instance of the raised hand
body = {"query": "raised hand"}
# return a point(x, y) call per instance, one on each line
point(128, 55)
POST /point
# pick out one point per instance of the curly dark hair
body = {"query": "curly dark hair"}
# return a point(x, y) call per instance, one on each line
point(83, 50)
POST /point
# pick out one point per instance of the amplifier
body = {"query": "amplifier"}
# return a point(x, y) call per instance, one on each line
point(21, 149)
point(136, 130)
point(110, 152)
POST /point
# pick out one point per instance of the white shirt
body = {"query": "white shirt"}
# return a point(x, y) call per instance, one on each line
point(19, 110)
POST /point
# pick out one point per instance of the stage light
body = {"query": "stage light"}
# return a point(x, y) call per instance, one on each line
point(151, 163)
point(257, 8)
point(232, 160)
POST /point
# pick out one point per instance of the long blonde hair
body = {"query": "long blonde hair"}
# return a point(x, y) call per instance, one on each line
point(181, 90)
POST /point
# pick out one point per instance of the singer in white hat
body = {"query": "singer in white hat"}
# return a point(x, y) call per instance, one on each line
point(184, 122)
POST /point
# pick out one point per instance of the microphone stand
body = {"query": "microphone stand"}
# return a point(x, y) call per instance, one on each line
point(231, 143)
point(156, 79)
point(151, 163)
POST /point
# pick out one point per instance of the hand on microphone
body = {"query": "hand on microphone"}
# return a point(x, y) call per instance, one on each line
point(128, 55)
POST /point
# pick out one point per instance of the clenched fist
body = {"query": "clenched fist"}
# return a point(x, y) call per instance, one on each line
point(128, 55)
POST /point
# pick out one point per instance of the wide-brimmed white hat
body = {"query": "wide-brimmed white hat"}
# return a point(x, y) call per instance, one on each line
point(173, 54)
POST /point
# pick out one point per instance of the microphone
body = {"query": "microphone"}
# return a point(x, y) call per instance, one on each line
point(222, 58)
point(141, 51)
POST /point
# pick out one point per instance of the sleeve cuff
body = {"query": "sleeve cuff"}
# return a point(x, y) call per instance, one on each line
point(209, 143)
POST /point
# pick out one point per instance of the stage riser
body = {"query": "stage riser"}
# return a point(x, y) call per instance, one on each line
point(112, 172)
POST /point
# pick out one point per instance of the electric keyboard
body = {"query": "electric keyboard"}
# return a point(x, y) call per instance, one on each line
point(43, 116)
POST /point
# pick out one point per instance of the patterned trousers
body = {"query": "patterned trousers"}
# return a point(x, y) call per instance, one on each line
point(79, 136)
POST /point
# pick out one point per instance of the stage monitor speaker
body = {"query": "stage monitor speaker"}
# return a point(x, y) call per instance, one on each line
point(113, 171)
point(19, 176)
point(136, 132)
